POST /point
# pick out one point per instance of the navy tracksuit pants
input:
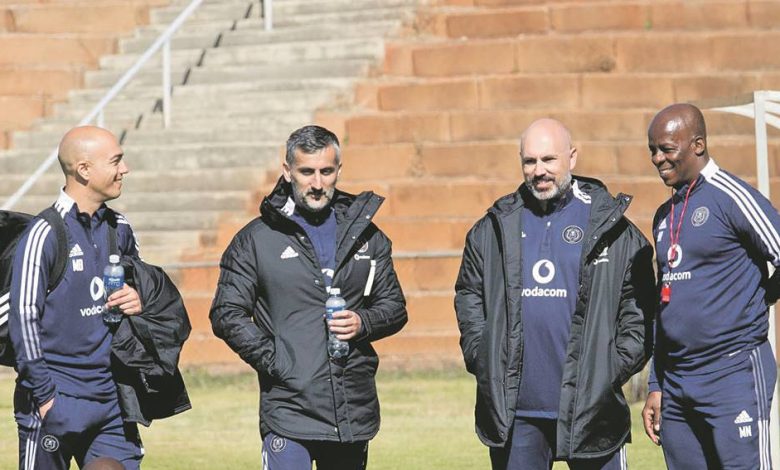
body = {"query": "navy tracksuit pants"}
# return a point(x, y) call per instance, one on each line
point(720, 420)
point(531, 445)
point(281, 453)
point(73, 428)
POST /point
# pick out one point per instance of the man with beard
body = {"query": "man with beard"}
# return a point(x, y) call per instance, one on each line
point(554, 302)
point(270, 300)
point(714, 374)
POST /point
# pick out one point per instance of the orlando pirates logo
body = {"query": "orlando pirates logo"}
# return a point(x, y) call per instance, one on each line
point(700, 216)
point(572, 234)
point(278, 444)
point(50, 443)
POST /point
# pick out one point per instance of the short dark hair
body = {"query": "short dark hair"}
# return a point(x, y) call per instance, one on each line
point(311, 139)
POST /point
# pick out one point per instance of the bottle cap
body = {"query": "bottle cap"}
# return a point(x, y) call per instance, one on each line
point(335, 291)
point(113, 259)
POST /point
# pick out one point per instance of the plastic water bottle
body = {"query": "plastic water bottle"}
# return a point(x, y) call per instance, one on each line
point(335, 303)
point(113, 280)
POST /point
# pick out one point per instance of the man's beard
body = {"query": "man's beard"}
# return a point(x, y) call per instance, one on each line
point(558, 189)
point(302, 202)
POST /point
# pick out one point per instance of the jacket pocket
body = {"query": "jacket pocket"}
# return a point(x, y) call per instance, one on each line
point(282, 361)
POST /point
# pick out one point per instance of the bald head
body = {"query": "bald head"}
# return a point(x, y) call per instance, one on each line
point(680, 116)
point(546, 131)
point(677, 139)
point(82, 144)
point(547, 157)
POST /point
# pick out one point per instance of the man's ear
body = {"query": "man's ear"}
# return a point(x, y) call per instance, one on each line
point(286, 172)
point(573, 161)
point(82, 170)
point(699, 146)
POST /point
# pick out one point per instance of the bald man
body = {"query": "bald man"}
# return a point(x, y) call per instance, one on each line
point(66, 399)
point(714, 371)
point(554, 300)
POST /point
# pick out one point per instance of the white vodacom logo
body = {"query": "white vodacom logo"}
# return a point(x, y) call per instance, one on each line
point(537, 271)
point(96, 288)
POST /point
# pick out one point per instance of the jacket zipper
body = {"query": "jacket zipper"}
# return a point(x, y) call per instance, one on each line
point(604, 227)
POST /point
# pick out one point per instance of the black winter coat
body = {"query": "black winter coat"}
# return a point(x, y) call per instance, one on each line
point(610, 336)
point(145, 348)
point(269, 308)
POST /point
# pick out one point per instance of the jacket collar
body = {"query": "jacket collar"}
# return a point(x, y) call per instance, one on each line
point(605, 211)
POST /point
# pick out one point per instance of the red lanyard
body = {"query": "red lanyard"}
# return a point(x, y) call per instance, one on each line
point(674, 239)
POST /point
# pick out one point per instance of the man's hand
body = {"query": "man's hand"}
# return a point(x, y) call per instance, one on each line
point(651, 415)
point(45, 408)
point(127, 299)
point(346, 324)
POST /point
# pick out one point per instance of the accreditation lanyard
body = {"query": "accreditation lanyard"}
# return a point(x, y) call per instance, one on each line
point(674, 238)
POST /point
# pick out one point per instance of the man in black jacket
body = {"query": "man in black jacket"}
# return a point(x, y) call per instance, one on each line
point(270, 301)
point(554, 303)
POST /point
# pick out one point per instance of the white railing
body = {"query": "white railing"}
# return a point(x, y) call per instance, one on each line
point(97, 115)
point(764, 108)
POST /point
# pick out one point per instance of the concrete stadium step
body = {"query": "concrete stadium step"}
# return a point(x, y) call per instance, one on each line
point(360, 48)
point(235, 73)
point(455, 126)
point(311, 68)
point(128, 108)
point(193, 156)
point(240, 37)
point(499, 158)
point(426, 234)
point(172, 238)
point(100, 17)
point(707, 51)
point(292, 13)
point(227, 10)
point(585, 90)
point(133, 202)
point(39, 80)
point(152, 181)
point(672, 15)
point(17, 111)
point(224, 90)
point(471, 197)
point(51, 49)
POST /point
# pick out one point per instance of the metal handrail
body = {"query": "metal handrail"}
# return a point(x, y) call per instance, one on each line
point(97, 115)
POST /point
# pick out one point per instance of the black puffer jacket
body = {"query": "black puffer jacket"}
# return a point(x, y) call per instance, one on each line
point(145, 348)
point(269, 309)
point(610, 330)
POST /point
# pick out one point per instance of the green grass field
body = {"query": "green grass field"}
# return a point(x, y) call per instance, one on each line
point(427, 423)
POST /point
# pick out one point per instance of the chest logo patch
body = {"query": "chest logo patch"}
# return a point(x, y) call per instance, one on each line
point(543, 271)
point(96, 289)
point(572, 234)
point(700, 216)
point(363, 248)
point(78, 265)
point(75, 251)
point(289, 253)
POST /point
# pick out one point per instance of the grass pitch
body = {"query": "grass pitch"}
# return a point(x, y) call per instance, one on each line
point(427, 423)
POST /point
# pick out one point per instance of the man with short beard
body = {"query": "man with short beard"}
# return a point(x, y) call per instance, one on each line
point(554, 303)
point(270, 304)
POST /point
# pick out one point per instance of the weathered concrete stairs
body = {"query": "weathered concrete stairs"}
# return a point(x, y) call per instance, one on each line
point(238, 93)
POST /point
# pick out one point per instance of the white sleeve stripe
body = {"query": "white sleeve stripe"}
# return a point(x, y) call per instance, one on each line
point(28, 290)
point(753, 215)
point(752, 211)
point(4, 299)
point(34, 312)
